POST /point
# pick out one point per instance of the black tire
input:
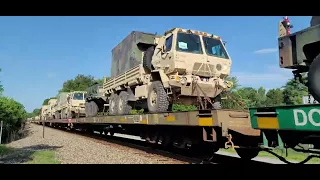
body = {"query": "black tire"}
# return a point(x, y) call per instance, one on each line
point(217, 102)
point(162, 102)
point(88, 109)
point(147, 58)
point(113, 104)
point(313, 78)
point(91, 109)
point(123, 105)
point(247, 154)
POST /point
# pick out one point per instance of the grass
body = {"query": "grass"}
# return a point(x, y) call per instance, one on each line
point(37, 157)
point(292, 155)
point(4, 150)
point(43, 157)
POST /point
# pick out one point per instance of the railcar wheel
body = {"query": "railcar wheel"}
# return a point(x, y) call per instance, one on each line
point(247, 154)
point(113, 109)
point(157, 98)
point(123, 104)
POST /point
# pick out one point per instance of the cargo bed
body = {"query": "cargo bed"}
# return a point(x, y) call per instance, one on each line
point(128, 78)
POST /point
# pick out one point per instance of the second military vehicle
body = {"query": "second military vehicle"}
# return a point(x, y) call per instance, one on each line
point(51, 108)
point(70, 105)
point(153, 72)
point(44, 112)
point(300, 51)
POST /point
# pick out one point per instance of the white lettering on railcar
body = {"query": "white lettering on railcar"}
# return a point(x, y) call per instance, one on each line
point(306, 117)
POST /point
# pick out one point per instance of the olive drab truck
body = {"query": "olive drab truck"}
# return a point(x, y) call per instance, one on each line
point(153, 72)
point(300, 51)
point(96, 101)
point(70, 105)
point(51, 108)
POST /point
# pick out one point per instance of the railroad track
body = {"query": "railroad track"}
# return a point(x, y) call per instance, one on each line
point(146, 149)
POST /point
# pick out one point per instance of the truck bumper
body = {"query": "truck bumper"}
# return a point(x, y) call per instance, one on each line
point(79, 110)
point(209, 87)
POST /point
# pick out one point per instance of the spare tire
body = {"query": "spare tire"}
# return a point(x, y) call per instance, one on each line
point(314, 78)
point(147, 58)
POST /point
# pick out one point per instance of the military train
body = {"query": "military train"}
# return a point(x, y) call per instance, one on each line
point(152, 72)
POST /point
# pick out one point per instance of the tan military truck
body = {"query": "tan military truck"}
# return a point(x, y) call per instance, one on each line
point(300, 51)
point(37, 118)
point(153, 72)
point(70, 105)
point(51, 108)
point(44, 112)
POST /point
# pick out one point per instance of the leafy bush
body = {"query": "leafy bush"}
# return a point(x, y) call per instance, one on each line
point(13, 115)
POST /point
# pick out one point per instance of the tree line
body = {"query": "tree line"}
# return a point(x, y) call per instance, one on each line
point(13, 115)
point(237, 98)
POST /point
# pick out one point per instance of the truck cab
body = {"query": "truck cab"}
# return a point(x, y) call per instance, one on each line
point(192, 56)
point(77, 99)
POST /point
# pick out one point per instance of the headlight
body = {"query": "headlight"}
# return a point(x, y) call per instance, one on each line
point(183, 80)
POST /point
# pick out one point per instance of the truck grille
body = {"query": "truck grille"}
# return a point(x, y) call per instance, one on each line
point(202, 69)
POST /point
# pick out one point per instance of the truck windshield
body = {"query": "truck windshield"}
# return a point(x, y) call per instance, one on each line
point(78, 96)
point(189, 43)
point(214, 48)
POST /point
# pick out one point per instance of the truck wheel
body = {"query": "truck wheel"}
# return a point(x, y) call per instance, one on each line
point(314, 77)
point(123, 105)
point(147, 58)
point(88, 109)
point(247, 154)
point(91, 109)
point(113, 109)
point(157, 98)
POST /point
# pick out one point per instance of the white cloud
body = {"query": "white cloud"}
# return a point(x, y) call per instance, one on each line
point(51, 75)
point(270, 77)
point(266, 51)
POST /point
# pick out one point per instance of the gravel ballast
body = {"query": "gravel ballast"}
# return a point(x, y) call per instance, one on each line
point(76, 149)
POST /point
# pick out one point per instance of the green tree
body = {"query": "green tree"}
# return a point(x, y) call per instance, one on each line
point(13, 114)
point(293, 92)
point(45, 102)
point(34, 113)
point(231, 99)
point(261, 97)
point(79, 83)
point(274, 97)
point(249, 96)
point(1, 87)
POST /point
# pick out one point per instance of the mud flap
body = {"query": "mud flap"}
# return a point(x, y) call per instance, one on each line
point(209, 134)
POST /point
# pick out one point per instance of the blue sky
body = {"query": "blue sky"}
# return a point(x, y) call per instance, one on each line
point(37, 54)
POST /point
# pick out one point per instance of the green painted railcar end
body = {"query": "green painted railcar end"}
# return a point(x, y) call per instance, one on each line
point(297, 117)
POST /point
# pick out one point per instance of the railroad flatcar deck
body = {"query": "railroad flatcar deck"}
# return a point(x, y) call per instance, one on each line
point(227, 119)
